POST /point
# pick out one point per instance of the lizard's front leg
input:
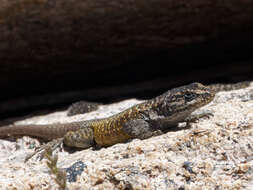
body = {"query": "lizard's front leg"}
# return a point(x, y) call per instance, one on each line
point(82, 138)
point(196, 116)
point(141, 129)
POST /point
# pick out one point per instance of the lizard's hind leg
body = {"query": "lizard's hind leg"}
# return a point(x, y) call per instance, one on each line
point(82, 138)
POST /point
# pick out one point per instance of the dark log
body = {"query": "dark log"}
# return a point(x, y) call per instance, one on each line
point(79, 44)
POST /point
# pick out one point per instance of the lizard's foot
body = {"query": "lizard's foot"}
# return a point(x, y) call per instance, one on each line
point(52, 145)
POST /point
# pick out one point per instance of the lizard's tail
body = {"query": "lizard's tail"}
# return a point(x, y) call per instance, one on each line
point(47, 132)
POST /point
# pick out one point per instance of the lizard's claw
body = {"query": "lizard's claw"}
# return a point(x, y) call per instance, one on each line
point(52, 145)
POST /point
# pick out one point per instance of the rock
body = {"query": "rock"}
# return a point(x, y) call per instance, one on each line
point(215, 152)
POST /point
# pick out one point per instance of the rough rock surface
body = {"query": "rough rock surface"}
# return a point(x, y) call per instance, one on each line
point(214, 153)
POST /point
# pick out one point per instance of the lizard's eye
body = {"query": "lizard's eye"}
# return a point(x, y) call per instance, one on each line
point(189, 96)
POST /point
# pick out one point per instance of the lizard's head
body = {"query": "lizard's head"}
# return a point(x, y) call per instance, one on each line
point(180, 102)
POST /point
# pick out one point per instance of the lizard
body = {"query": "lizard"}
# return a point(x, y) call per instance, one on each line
point(139, 121)
point(82, 107)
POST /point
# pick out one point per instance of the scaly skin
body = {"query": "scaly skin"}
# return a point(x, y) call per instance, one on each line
point(140, 121)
